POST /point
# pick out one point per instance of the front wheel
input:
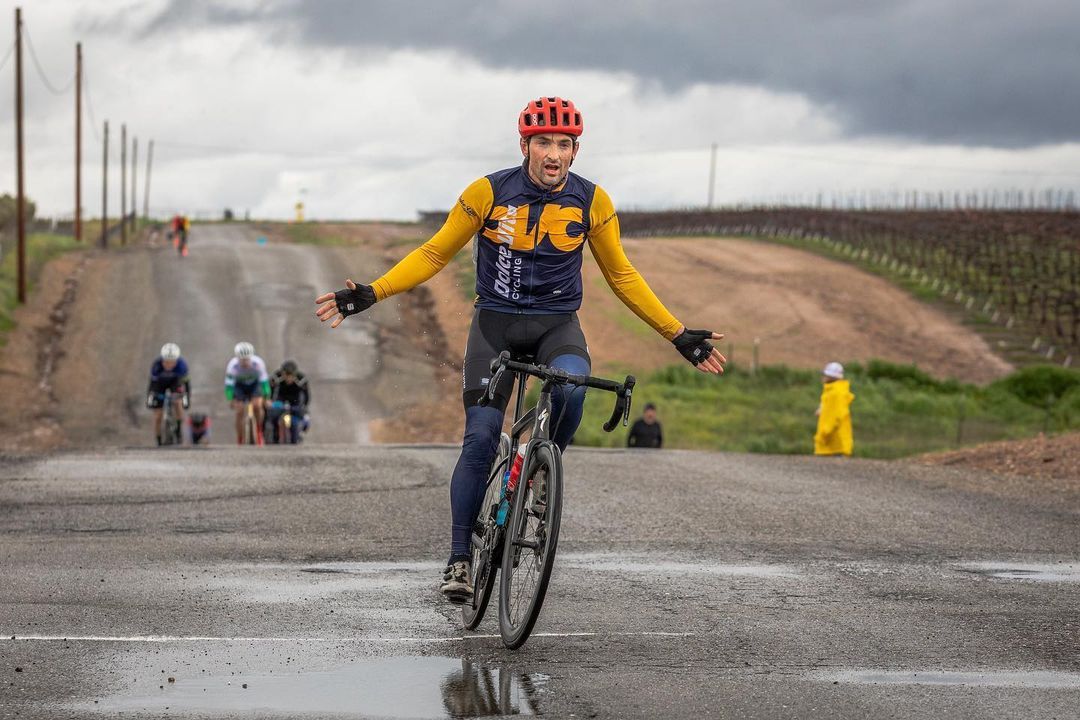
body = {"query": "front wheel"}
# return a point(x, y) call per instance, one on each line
point(532, 536)
point(251, 430)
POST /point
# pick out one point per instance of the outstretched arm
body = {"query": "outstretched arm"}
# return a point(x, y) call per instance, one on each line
point(419, 266)
point(630, 287)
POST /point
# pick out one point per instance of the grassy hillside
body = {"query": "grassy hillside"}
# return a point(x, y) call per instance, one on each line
point(898, 410)
point(40, 248)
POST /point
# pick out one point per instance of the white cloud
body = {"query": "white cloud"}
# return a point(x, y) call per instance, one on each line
point(388, 133)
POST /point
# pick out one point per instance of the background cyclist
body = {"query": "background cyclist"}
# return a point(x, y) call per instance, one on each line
point(169, 372)
point(246, 379)
point(289, 389)
point(530, 223)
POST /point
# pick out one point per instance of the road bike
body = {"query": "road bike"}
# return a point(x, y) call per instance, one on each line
point(517, 531)
point(170, 424)
point(289, 422)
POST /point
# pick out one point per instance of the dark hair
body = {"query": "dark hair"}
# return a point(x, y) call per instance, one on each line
point(289, 366)
point(648, 406)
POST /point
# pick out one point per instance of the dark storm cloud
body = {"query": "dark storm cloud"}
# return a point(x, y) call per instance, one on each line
point(965, 71)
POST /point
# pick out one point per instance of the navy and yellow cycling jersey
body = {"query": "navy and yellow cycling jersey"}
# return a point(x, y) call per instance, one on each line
point(529, 241)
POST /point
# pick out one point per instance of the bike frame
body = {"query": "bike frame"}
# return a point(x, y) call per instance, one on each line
point(539, 415)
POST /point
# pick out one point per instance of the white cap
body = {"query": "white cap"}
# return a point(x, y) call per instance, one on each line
point(834, 370)
point(170, 351)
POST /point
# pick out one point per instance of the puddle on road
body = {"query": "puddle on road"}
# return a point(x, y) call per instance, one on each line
point(391, 687)
point(607, 562)
point(1042, 679)
point(1039, 572)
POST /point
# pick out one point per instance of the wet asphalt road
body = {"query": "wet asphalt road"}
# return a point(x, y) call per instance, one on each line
point(688, 585)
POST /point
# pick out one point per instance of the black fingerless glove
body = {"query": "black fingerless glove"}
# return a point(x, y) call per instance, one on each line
point(350, 302)
point(694, 345)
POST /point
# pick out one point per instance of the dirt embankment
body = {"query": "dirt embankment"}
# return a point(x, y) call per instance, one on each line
point(29, 359)
point(803, 309)
point(1042, 467)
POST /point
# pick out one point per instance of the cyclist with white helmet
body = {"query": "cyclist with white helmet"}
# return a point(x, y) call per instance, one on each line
point(169, 372)
point(246, 380)
point(529, 225)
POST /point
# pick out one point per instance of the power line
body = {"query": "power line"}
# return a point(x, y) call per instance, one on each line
point(7, 55)
point(90, 106)
point(41, 73)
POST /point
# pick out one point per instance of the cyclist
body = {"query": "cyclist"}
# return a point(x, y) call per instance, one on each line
point(289, 389)
point(168, 373)
point(246, 381)
point(180, 226)
point(530, 225)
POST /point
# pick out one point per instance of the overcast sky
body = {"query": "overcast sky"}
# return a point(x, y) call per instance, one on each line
point(375, 109)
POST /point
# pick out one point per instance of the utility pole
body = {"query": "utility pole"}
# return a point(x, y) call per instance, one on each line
point(20, 202)
point(78, 142)
point(105, 189)
point(146, 190)
point(134, 176)
point(712, 176)
point(123, 183)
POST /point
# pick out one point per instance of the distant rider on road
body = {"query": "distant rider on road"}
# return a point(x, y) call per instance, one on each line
point(289, 389)
point(168, 373)
point(531, 224)
point(246, 379)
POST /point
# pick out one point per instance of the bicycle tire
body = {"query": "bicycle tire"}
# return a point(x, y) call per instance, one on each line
point(168, 425)
point(485, 561)
point(515, 620)
point(249, 427)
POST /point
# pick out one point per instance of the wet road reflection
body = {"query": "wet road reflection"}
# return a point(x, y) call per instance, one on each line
point(388, 687)
point(480, 691)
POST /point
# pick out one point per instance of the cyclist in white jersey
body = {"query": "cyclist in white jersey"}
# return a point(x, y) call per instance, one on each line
point(246, 379)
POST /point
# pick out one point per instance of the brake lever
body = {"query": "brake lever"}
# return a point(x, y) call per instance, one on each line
point(629, 385)
point(498, 365)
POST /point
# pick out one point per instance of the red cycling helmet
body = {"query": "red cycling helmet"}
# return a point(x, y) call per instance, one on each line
point(549, 115)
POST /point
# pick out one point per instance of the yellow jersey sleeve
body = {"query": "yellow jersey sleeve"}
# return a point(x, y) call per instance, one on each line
point(463, 222)
point(623, 278)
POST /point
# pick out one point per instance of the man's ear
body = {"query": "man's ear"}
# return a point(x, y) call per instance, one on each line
point(524, 147)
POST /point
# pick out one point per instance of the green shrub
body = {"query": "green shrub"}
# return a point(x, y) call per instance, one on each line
point(898, 410)
point(1040, 385)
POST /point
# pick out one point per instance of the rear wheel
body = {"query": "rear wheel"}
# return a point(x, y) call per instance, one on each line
point(487, 541)
point(532, 536)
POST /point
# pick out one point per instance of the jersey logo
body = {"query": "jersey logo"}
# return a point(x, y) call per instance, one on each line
point(562, 225)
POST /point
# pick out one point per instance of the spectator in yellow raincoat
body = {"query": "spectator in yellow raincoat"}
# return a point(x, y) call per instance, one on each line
point(833, 436)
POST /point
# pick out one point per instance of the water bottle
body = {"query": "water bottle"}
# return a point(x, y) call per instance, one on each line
point(515, 472)
point(510, 479)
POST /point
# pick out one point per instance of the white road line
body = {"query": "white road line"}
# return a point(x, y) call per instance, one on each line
point(211, 638)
